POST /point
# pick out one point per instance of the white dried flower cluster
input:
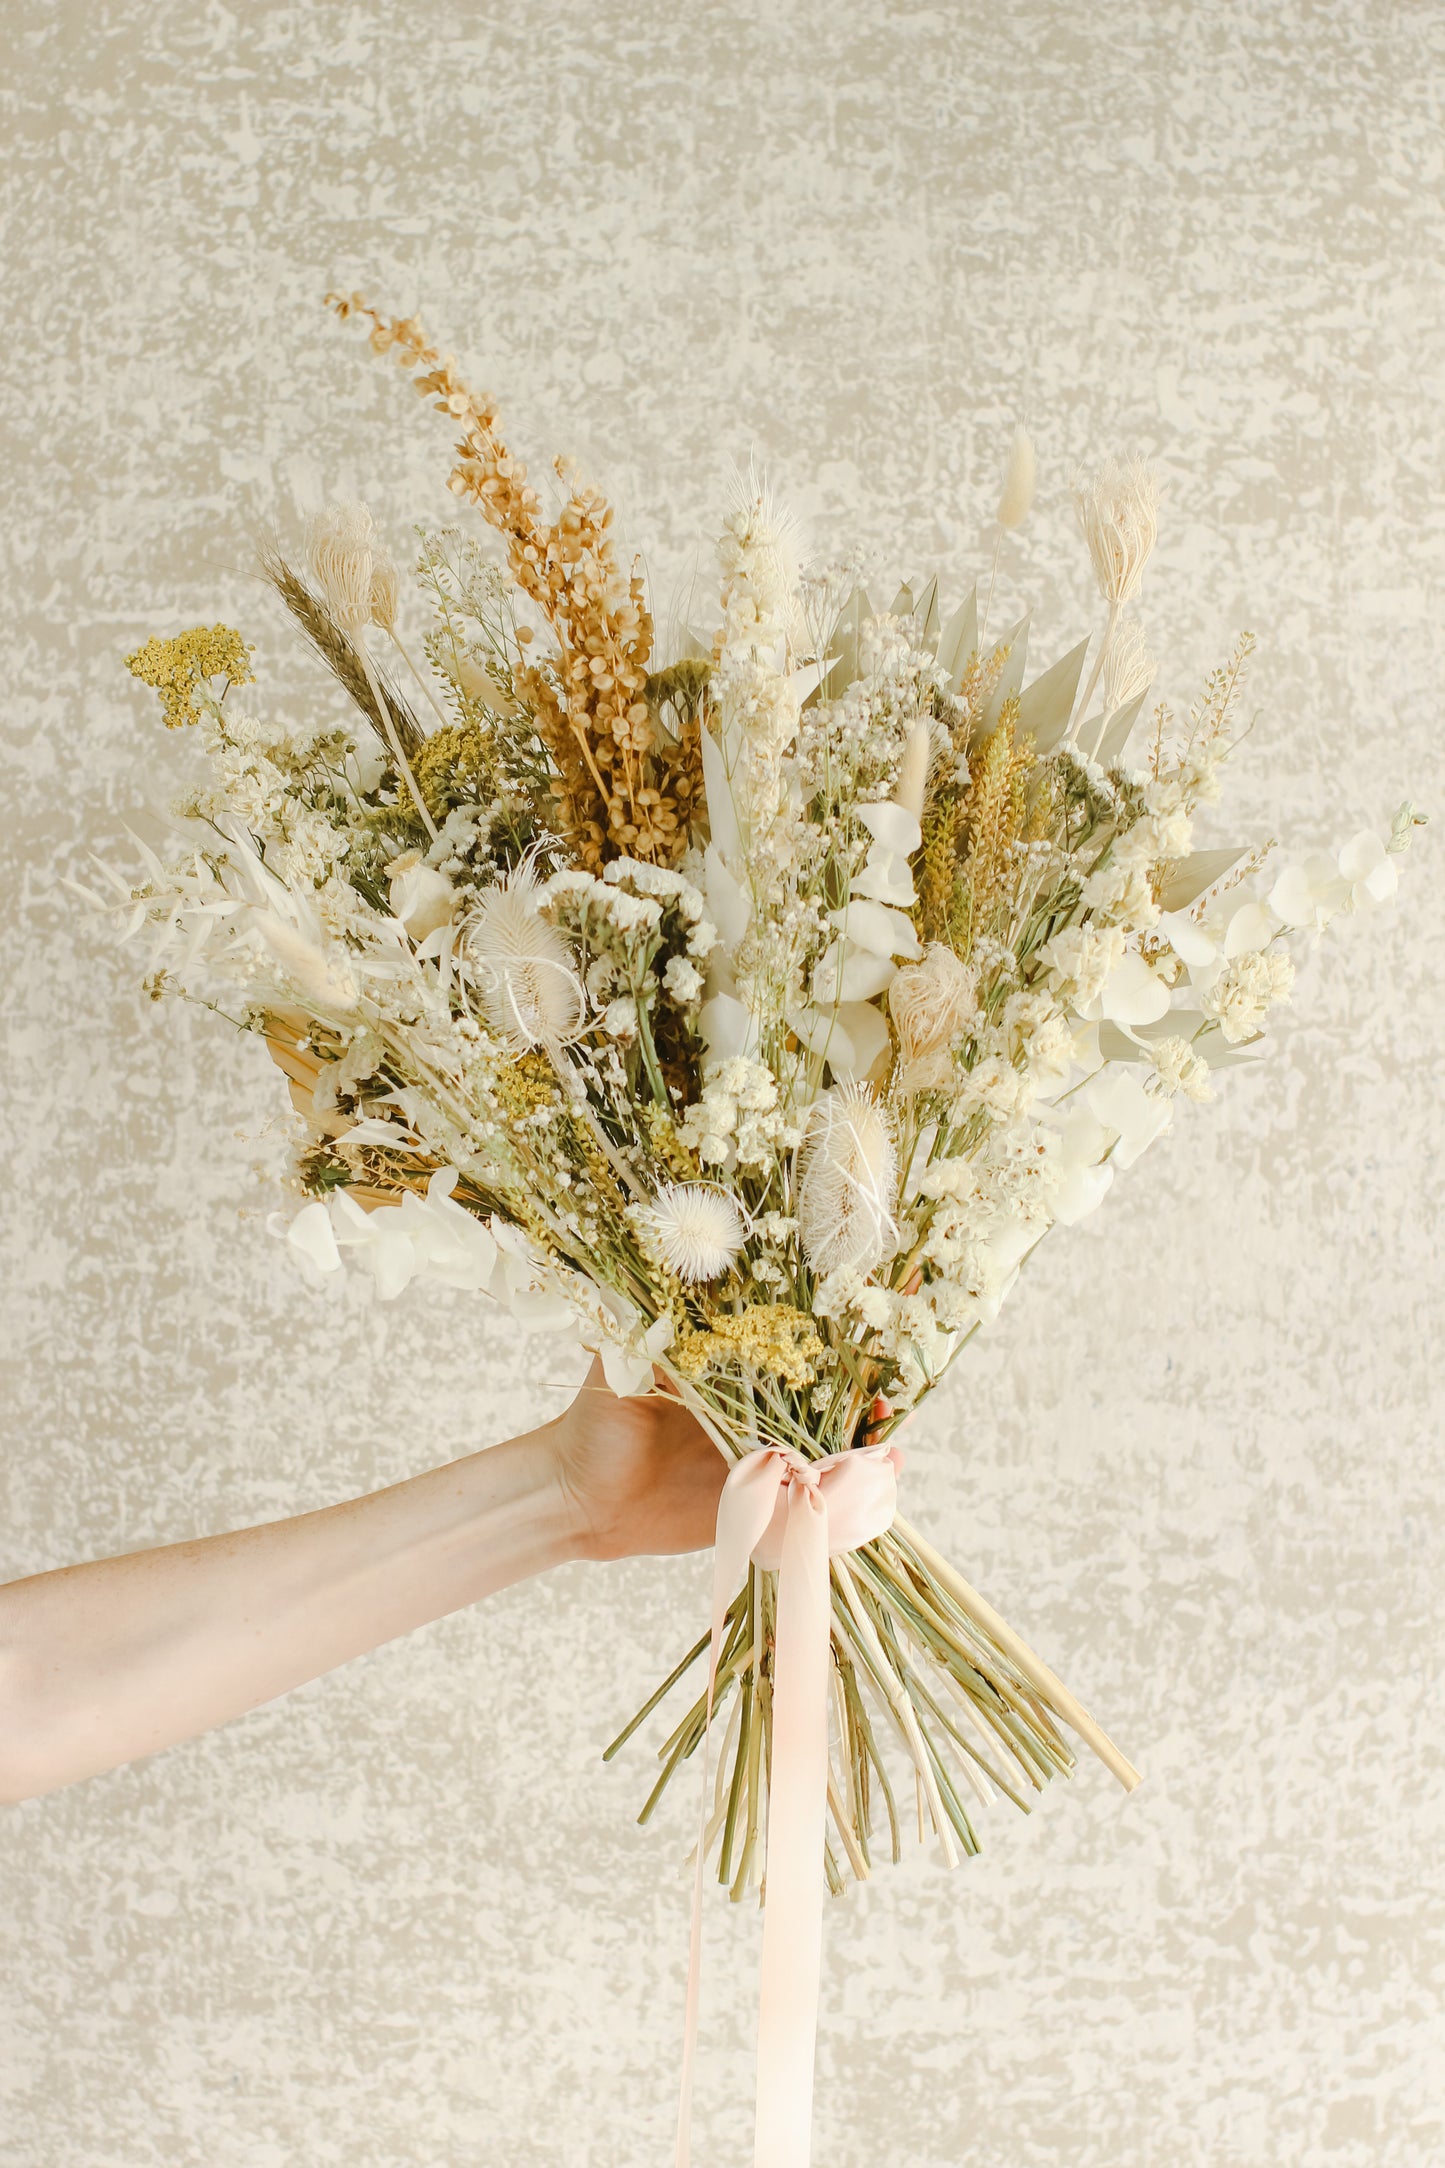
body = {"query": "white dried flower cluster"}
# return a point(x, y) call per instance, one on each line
point(1246, 988)
point(1179, 1068)
point(738, 1120)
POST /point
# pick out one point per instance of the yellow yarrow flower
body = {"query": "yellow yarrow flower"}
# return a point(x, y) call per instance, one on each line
point(175, 667)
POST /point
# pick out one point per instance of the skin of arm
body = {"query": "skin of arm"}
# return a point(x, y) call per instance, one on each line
point(107, 1662)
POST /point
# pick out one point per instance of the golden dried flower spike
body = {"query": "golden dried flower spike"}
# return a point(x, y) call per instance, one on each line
point(621, 789)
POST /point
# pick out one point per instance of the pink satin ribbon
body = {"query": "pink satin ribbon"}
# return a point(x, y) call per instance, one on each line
point(789, 1516)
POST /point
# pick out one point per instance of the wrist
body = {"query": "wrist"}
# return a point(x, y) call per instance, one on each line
point(563, 1524)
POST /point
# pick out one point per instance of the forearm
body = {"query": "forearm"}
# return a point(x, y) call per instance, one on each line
point(104, 1663)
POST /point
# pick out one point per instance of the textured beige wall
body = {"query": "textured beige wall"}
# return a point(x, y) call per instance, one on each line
point(403, 1918)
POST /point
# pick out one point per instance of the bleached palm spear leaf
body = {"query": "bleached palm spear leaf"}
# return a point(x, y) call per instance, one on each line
point(527, 981)
point(848, 1182)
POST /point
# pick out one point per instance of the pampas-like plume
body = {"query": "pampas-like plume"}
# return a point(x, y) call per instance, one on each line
point(929, 1004)
point(343, 558)
point(695, 1228)
point(1118, 512)
point(530, 992)
point(1018, 483)
point(848, 1181)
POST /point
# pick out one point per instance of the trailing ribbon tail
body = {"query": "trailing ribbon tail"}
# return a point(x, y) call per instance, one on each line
point(789, 1516)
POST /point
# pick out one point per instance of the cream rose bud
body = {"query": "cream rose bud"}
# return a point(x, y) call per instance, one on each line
point(421, 898)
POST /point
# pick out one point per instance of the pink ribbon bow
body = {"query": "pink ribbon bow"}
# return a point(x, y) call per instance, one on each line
point(789, 1516)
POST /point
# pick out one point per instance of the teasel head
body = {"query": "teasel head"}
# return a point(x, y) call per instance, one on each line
point(847, 1182)
point(1118, 513)
point(528, 988)
point(1017, 494)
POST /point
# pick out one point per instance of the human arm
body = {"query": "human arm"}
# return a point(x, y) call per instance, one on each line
point(106, 1662)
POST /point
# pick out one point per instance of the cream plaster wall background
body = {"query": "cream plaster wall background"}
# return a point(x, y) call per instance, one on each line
point(403, 1919)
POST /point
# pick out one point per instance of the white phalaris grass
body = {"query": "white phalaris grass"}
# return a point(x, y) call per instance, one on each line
point(847, 1182)
point(530, 992)
point(695, 1229)
point(1118, 513)
point(929, 1004)
point(1017, 494)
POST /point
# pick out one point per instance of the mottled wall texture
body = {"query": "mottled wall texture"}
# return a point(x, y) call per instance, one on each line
point(404, 1919)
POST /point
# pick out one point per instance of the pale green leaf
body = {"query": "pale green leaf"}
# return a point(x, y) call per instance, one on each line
point(1115, 729)
point(1046, 705)
point(1193, 875)
point(958, 640)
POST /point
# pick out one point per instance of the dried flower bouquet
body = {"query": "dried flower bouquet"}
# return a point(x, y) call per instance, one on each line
point(753, 1012)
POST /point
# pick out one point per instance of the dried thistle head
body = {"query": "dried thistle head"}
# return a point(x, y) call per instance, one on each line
point(1118, 514)
point(847, 1182)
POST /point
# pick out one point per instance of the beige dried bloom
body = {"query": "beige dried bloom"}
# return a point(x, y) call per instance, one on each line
point(929, 1004)
point(847, 1182)
point(385, 595)
point(343, 559)
point(1118, 513)
point(1018, 483)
